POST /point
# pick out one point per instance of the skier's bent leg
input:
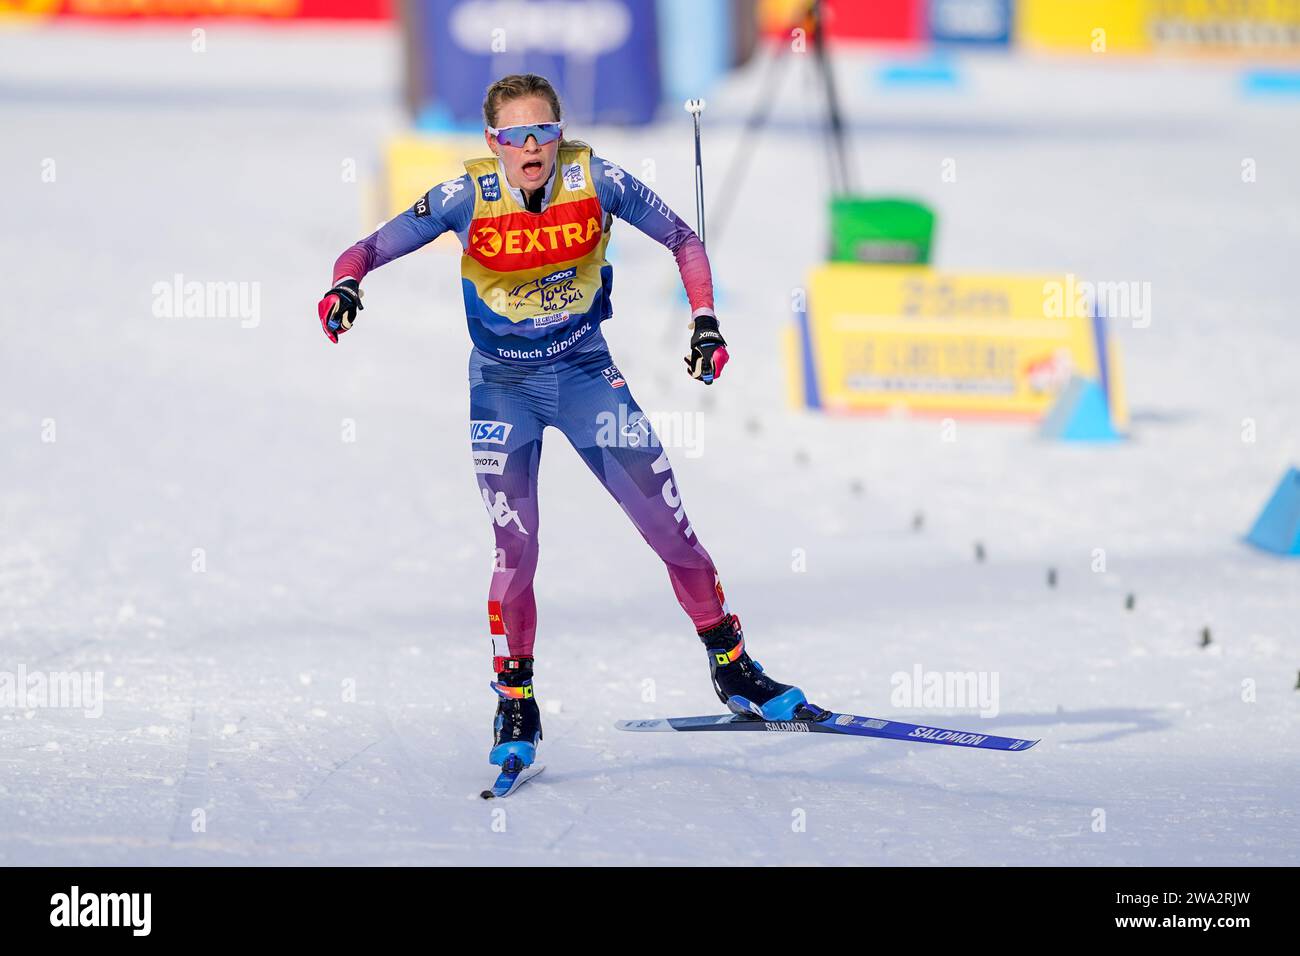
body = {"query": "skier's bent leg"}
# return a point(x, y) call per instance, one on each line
point(617, 441)
point(738, 679)
point(635, 470)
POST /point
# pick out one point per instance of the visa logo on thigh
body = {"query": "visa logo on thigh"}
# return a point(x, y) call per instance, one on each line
point(493, 433)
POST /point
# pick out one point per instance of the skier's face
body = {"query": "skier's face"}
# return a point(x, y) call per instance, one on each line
point(528, 166)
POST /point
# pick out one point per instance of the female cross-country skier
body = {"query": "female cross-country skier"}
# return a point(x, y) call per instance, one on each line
point(533, 219)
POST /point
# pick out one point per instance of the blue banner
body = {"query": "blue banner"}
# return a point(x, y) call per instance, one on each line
point(601, 56)
point(970, 21)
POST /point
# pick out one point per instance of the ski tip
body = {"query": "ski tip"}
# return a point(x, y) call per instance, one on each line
point(508, 783)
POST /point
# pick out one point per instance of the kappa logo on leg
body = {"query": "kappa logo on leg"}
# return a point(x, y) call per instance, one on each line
point(500, 511)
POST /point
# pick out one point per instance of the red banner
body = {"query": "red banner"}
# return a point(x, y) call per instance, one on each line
point(850, 19)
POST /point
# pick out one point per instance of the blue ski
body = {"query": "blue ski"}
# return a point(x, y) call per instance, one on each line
point(846, 724)
point(508, 781)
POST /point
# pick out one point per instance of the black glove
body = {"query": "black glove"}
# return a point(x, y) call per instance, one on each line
point(338, 308)
point(708, 350)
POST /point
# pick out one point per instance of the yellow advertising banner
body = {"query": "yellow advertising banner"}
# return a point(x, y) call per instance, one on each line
point(878, 338)
point(412, 165)
point(21, 9)
point(1255, 27)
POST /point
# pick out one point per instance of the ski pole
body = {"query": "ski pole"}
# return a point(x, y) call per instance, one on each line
point(695, 108)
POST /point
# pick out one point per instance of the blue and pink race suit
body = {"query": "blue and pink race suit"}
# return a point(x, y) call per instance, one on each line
point(536, 288)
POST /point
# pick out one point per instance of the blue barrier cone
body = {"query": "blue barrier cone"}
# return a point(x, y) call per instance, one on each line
point(1277, 529)
point(1080, 414)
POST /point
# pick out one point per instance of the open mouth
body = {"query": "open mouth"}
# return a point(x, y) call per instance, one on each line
point(533, 167)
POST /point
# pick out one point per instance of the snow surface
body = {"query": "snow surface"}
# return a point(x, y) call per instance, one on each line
point(333, 565)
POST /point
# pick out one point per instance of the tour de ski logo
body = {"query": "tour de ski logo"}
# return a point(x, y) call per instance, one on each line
point(489, 187)
point(557, 290)
point(574, 178)
point(614, 377)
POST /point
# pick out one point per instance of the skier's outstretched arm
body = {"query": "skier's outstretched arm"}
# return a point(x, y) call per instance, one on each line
point(631, 200)
point(443, 208)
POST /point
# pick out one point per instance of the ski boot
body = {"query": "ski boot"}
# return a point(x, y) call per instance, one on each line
point(518, 724)
point(741, 684)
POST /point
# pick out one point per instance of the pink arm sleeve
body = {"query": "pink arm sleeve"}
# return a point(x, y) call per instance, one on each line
point(697, 277)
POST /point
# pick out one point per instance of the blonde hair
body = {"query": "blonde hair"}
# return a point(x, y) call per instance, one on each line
point(516, 86)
